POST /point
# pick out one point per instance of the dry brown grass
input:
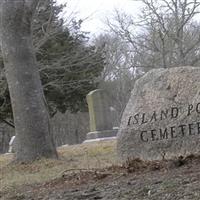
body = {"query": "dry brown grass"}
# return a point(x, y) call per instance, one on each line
point(85, 156)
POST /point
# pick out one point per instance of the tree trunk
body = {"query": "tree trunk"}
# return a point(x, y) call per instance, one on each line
point(31, 117)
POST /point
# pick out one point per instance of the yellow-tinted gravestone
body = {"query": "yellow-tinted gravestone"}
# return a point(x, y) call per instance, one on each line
point(100, 116)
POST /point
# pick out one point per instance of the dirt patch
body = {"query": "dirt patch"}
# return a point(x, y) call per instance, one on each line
point(177, 179)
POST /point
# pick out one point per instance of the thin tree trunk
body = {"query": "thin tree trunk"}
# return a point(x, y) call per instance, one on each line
point(31, 117)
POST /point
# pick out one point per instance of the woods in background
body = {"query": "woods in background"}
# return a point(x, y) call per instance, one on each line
point(166, 34)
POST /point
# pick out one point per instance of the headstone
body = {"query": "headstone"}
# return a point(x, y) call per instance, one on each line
point(12, 145)
point(162, 117)
point(100, 117)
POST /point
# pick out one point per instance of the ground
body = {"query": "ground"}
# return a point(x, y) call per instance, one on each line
point(93, 171)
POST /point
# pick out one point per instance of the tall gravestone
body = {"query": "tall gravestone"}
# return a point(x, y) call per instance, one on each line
point(162, 117)
point(100, 117)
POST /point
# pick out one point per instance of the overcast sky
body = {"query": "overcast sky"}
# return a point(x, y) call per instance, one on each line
point(95, 11)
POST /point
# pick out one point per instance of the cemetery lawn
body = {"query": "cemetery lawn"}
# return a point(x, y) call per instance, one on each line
point(91, 171)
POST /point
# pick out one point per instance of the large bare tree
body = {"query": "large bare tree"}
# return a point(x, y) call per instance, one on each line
point(31, 118)
point(165, 35)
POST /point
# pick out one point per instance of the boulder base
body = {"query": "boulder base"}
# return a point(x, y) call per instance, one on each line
point(162, 117)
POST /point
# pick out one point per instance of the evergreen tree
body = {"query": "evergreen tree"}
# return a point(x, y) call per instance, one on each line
point(68, 66)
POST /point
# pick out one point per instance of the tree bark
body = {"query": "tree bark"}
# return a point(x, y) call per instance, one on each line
point(31, 118)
